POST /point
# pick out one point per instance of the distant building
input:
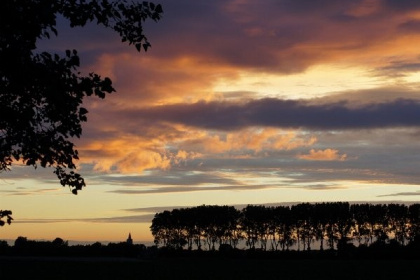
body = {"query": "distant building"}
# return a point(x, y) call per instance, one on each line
point(129, 239)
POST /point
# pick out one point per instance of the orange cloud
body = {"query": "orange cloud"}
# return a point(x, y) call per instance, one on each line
point(138, 161)
point(126, 154)
point(252, 140)
point(129, 153)
point(323, 155)
point(142, 80)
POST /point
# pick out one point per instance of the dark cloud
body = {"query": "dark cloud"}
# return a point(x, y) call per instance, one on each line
point(404, 5)
point(399, 68)
point(410, 26)
point(365, 97)
point(286, 114)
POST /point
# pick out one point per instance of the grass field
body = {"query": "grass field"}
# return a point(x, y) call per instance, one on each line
point(208, 268)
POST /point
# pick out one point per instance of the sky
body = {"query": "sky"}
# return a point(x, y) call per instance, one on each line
point(237, 102)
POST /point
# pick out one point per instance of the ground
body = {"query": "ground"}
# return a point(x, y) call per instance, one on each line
point(205, 268)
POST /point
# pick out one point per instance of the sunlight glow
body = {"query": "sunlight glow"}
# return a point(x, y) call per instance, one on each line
point(317, 81)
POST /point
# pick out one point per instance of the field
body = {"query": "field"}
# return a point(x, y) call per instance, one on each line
point(206, 268)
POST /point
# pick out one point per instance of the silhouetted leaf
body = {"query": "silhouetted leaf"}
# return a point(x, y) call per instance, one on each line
point(138, 46)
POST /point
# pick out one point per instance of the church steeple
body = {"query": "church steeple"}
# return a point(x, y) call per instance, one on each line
point(129, 239)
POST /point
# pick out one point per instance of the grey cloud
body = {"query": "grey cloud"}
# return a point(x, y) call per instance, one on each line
point(416, 193)
point(286, 114)
point(173, 178)
point(358, 98)
point(152, 209)
point(191, 188)
point(322, 187)
point(42, 221)
point(238, 206)
point(121, 219)
point(33, 192)
point(399, 68)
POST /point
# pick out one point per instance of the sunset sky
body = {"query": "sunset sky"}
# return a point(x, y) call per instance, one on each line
point(237, 102)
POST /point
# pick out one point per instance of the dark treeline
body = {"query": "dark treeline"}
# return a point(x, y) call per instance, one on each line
point(333, 226)
point(60, 248)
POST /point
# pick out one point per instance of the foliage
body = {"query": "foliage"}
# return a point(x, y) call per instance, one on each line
point(41, 93)
point(5, 214)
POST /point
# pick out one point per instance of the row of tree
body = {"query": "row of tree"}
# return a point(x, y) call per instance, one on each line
point(281, 227)
point(58, 247)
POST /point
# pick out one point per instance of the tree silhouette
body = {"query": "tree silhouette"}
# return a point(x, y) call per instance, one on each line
point(414, 220)
point(41, 94)
point(339, 224)
point(378, 222)
point(398, 222)
point(248, 223)
point(283, 225)
point(303, 224)
point(5, 214)
point(320, 222)
point(160, 228)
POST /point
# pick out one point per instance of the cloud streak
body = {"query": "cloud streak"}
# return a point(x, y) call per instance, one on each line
point(288, 114)
point(120, 219)
point(160, 190)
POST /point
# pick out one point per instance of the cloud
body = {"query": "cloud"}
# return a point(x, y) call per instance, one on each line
point(197, 42)
point(416, 193)
point(323, 155)
point(288, 114)
point(175, 177)
point(126, 153)
point(366, 97)
point(153, 210)
point(246, 141)
point(323, 187)
point(279, 36)
point(399, 68)
point(179, 144)
point(190, 188)
point(167, 114)
point(237, 206)
point(120, 219)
